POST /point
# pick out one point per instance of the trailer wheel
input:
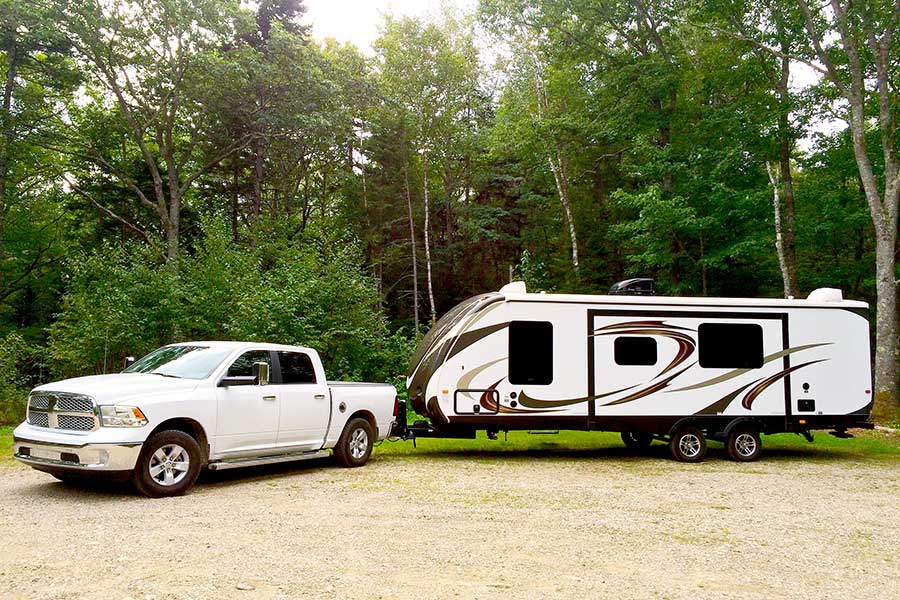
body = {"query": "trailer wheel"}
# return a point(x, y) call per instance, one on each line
point(744, 444)
point(637, 440)
point(688, 444)
point(355, 444)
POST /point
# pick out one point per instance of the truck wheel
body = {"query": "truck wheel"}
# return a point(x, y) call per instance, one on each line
point(355, 444)
point(688, 444)
point(637, 440)
point(168, 465)
point(744, 444)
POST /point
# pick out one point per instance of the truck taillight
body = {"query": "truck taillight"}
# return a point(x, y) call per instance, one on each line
point(396, 405)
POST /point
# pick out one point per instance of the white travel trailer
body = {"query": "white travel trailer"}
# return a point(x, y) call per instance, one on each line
point(675, 369)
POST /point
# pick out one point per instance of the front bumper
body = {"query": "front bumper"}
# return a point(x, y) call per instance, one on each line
point(56, 456)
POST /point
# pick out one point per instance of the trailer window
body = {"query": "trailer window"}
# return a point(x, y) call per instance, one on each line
point(730, 345)
point(635, 351)
point(531, 352)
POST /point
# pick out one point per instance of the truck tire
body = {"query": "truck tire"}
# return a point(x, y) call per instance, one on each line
point(168, 465)
point(355, 444)
point(688, 444)
point(637, 440)
point(744, 444)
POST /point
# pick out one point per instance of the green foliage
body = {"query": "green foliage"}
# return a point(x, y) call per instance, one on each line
point(122, 301)
point(866, 446)
point(14, 355)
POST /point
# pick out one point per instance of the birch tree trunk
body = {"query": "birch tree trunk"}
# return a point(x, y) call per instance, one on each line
point(875, 30)
point(427, 227)
point(788, 252)
point(557, 160)
point(412, 242)
point(779, 235)
point(561, 177)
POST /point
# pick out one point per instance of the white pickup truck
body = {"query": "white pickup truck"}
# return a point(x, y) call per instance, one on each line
point(188, 406)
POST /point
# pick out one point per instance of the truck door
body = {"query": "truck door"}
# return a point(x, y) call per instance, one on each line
point(247, 421)
point(305, 403)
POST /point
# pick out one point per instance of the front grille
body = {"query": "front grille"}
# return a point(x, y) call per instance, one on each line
point(62, 410)
point(77, 423)
point(74, 404)
point(63, 401)
point(39, 401)
point(39, 419)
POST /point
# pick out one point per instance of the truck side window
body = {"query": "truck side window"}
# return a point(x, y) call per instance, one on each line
point(296, 367)
point(531, 352)
point(730, 345)
point(243, 365)
point(635, 351)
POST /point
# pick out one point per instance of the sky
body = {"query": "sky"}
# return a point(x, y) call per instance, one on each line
point(357, 21)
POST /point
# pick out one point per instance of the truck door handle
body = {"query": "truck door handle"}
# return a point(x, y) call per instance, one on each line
point(269, 398)
point(319, 396)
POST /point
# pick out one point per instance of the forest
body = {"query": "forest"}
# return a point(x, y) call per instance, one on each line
point(206, 169)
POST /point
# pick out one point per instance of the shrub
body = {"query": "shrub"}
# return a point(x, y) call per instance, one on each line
point(124, 301)
point(13, 385)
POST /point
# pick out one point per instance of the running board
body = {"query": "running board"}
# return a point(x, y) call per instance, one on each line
point(265, 460)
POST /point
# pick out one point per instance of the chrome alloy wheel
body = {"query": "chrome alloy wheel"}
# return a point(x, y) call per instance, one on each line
point(690, 445)
point(359, 443)
point(745, 444)
point(169, 464)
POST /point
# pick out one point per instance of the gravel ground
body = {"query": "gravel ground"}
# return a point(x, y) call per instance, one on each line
point(480, 525)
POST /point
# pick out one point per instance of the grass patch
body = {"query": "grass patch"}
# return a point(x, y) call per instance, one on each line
point(516, 441)
point(6, 444)
point(866, 444)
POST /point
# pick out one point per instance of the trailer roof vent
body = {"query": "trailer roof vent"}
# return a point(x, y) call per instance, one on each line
point(826, 295)
point(513, 287)
point(640, 286)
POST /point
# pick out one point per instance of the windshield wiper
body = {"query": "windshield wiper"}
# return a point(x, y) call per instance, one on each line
point(165, 375)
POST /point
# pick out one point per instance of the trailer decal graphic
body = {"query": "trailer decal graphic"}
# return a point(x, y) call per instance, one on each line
point(470, 337)
point(649, 390)
point(747, 402)
point(465, 382)
point(528, 401)
point(686, 344)
point(719, 406)
point(487, 401)
point(739, 372)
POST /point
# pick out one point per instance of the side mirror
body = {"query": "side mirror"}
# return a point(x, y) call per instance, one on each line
point(129, 360)
point(260, 377)
point(261, 373)
point(237, 380)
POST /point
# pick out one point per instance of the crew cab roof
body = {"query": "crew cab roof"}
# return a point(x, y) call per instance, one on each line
point(236, 345)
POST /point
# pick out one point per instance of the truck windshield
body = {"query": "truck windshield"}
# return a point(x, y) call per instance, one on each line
point(187, 362)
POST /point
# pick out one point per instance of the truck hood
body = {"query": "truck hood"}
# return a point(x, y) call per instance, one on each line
point(121, 387)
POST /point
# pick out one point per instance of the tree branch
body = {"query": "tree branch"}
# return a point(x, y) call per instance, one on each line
point(143, 234)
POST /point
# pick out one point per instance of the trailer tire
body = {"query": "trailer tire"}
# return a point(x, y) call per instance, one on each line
point(688, 444)
point(168, 465)
point(744, 444)
point(354, 447)
point(637, 440)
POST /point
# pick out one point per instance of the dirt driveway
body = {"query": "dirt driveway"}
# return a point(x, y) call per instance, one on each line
point(594, 524)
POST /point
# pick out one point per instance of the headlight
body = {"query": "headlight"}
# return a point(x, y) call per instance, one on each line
point(122, 416)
